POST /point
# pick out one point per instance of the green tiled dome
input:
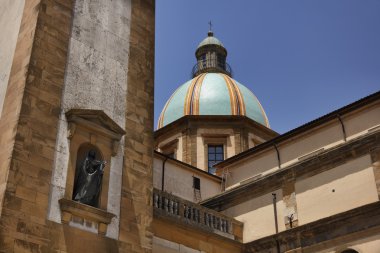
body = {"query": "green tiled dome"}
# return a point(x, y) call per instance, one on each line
point(212, 94)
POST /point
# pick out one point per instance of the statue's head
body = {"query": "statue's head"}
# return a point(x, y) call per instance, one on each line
point(92, 154)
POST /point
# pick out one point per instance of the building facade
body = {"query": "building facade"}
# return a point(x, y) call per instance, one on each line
point(82, 169)
point(312, 189)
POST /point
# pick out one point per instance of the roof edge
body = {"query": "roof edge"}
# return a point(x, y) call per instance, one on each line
point(303, 128)
point(188, 118)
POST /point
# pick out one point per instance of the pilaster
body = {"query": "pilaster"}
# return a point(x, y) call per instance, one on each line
point(29, 124)
point(375, 157)
point(136, 211)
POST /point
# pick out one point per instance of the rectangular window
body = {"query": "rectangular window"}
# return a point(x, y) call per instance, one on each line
point(196, 183)
point(215, 155)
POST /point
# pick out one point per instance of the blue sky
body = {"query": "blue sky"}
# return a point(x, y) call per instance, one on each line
point(302, 59)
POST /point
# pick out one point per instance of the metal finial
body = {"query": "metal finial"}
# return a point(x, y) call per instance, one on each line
point(210, 33)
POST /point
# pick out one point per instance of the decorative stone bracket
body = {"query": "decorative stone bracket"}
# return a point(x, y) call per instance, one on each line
point(96, 122)
point(70, 209)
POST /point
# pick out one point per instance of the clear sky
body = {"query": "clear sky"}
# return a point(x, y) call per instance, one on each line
point(302, 59)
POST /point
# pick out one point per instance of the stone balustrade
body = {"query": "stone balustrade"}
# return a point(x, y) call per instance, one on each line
point(185, 212)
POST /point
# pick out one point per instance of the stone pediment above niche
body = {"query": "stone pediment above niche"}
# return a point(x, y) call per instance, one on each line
point(95, 122)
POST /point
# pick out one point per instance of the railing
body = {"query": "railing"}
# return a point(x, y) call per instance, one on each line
point(168, 206)
point(211, 66)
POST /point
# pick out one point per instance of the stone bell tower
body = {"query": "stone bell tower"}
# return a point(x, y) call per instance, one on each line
point(76, 91)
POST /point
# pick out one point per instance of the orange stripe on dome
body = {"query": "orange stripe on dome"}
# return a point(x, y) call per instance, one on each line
point(159, 124)
point(232, 95)
point(189, 95)
point(197, 92)
point(240, 97)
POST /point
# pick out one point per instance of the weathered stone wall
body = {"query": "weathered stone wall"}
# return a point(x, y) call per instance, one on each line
point(32, 115)
point(95, 78)
point(136, 193)
point(14, 91)
point(10, 20)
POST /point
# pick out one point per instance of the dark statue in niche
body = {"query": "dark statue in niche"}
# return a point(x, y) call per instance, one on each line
point(88, 179)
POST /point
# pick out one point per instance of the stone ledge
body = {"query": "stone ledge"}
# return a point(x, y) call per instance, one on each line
point(72, 208)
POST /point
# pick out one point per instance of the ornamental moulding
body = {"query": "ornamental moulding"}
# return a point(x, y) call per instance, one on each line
point(96, 122)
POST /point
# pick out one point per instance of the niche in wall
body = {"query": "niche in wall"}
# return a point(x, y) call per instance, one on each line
point(94, 139)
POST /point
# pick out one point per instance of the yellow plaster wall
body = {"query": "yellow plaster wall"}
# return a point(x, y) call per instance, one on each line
point(337, 190)
point(262, 164)
point(298, 147)
point(179, 180)
point(324, 137)
point(359, 123)
point(258, 216)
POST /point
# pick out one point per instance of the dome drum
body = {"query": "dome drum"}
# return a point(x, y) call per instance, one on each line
point(210, 47)
point(211, 66)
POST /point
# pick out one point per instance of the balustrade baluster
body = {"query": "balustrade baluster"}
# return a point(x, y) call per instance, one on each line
point(191, 213)
point(171, 206)
point(175, 207)
point(187, 212)
point(224, 225)
point(198, 216)
point(228, 227)
point(155, 200)
point(160, 204)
